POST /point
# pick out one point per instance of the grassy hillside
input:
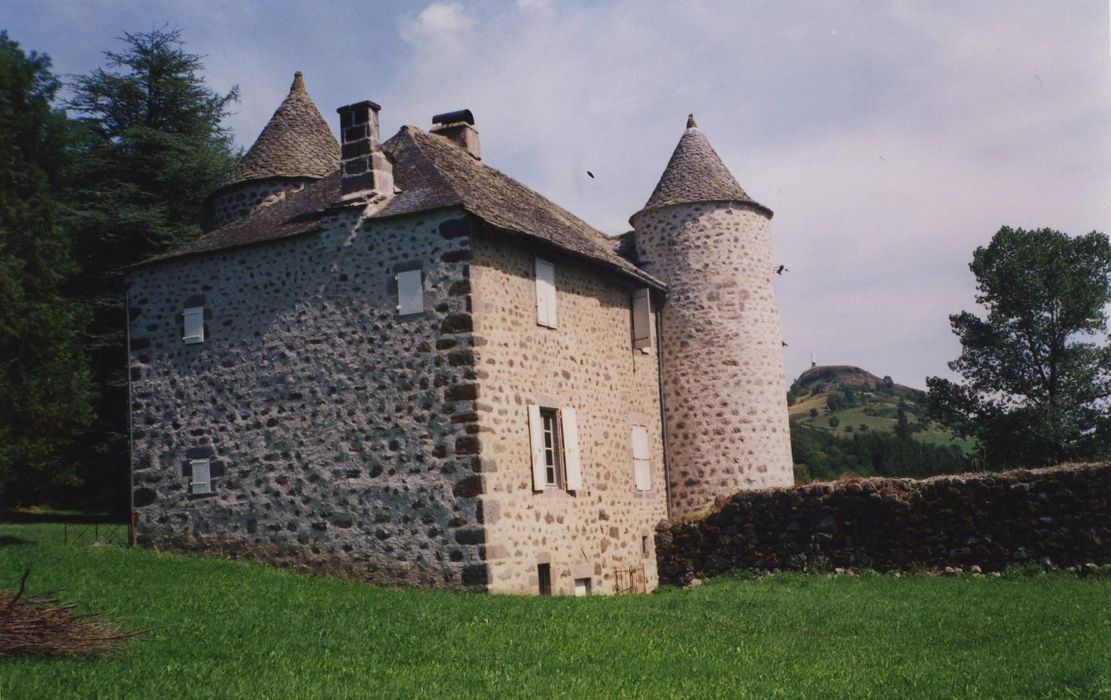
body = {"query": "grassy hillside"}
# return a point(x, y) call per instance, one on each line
point(858, 401)
point(229, 629)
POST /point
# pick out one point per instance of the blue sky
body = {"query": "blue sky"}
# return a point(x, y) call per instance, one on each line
point(890, 139)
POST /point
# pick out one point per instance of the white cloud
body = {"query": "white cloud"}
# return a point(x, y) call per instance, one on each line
point(438, 20)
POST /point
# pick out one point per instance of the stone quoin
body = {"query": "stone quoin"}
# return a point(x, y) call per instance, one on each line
point(388, 360)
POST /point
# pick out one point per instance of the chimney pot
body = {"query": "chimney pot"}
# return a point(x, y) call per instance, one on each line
point(458, 127)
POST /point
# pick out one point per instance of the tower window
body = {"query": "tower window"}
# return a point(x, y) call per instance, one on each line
point(193, 325)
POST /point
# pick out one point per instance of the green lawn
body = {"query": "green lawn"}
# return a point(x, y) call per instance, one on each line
point(230, 629)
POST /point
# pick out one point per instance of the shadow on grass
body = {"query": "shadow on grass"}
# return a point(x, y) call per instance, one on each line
point(39, 516)
point(8, 541)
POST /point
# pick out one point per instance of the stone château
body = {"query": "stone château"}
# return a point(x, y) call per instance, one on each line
point(391, 361)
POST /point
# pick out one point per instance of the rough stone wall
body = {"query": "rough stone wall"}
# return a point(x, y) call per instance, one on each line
point(239, 201)
point(723, 358)
point(1055, 517)
point(588, 364)
point(342, 437)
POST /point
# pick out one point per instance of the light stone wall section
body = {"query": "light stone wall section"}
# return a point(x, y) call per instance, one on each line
point(723, 356)
point(587, 363)
point(241, 200)
point(342, 438)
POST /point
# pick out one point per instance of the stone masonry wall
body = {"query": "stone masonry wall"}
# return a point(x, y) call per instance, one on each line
point(723, 357)
point(339, 433)
point(1055, 517)
point(587, 363)
point(241, 200)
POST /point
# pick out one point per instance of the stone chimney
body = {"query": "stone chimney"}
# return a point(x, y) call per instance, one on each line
point(458, 127)
point(365, 171)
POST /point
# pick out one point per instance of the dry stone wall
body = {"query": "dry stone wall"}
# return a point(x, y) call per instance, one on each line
point(1054, 517)
point(723, 356)
point(341, 437)
point(604, 531)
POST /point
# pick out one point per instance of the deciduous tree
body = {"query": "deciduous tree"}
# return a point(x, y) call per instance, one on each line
point(1036, 367)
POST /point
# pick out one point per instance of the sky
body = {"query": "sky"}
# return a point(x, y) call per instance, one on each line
point(890, 138)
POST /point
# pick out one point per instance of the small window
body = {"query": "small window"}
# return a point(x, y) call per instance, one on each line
point(410, 292)
point(544, 574)
point(545, 294)
point(200, 481)
point(554, 434)
point(642, 320)
point(642, 458)
point(582, 587)
point(193, 323)
point(645, 547)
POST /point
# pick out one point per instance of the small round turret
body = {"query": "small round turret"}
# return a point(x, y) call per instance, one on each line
point(295, 148)
point(724, 386)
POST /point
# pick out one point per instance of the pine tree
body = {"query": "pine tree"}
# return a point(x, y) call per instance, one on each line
point(44, 378)
point(154, 145)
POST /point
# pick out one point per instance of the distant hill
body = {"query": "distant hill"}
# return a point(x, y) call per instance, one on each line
point(846, 419)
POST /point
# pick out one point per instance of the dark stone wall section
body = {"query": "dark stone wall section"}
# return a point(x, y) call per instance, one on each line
point(341, 437)
point(1059, 516)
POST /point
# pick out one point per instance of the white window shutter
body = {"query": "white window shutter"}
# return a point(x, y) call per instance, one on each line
point(536, 439)
point(201, 481)
point(545, 294)
point(193, 325)
point(642, 319)
point(642, 458)
point(572, 466)
point(410, 292)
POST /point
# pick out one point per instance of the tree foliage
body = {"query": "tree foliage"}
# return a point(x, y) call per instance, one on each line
point(153, 146)
point(45, 390)
point(821, 455)
point(1036, 368)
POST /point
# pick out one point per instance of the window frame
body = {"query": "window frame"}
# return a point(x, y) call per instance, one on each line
point(642, 463)
point(197, 314)
point(563, 428)
point(206, 465)
point(544, 288)
point(416, 305)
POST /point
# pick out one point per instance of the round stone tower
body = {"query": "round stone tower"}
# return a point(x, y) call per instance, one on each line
point(295, 148)
point(723, 374)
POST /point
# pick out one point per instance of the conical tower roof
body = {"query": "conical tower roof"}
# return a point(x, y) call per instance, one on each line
point(295, 143)
point(696, 173)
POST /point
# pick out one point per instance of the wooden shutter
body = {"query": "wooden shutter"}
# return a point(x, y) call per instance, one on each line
point(642, 319)
point(201, 476)
point(193, 325)
point(536, 439)
point(642, 458)
point(545, 294)
point(410, 292)
point(572, 467)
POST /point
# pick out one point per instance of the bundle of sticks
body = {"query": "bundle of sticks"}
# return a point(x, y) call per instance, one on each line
point(44, 627)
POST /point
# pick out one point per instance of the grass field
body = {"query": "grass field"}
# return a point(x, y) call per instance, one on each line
point(231, 629)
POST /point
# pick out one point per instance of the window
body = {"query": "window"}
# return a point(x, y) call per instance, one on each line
point(193, 323)
point(642, 458)
point(645, 548)
point(410, 292)
point(545, 294)
point(582, 587)
point(554, 435)
point(642, 320)
point(200, 481)
point(544, 574)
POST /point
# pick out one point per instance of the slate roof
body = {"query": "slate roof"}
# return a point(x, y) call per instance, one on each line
point(430, 172)
point(696, 173)
point(296, 142)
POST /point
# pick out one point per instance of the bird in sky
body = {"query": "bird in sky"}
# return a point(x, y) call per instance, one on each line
point(781, 269)
point(590, 174)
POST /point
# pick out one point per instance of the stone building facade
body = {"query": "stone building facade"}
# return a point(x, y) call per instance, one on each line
point(390, 361)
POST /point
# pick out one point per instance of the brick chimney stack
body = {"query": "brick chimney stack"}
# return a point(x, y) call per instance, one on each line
point(365, 171)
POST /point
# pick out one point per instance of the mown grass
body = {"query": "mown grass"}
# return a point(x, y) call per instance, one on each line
point(233, 629)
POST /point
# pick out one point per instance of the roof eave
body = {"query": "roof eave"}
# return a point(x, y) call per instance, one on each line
point(743, 203)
